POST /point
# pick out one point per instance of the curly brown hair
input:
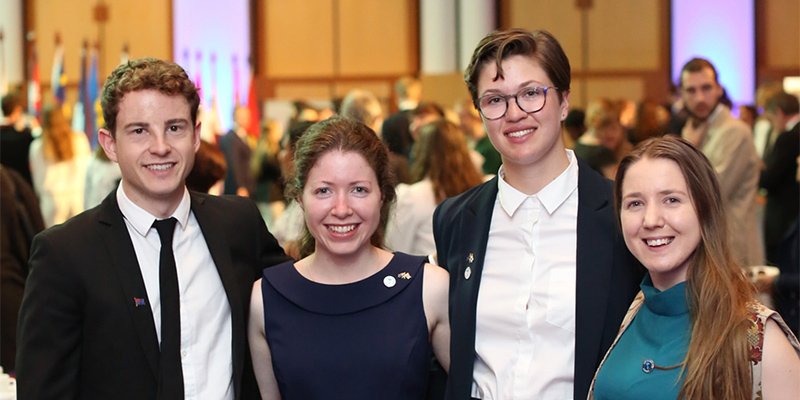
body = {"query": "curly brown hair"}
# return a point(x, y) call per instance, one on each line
point(144, 74)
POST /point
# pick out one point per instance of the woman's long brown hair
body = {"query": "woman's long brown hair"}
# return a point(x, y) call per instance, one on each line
point(441, 154)
point(717, 364)
point(57, 135)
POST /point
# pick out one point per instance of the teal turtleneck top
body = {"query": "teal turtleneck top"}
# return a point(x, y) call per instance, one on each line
point(660, 332)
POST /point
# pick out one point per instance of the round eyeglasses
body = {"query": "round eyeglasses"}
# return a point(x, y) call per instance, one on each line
point(531, 99)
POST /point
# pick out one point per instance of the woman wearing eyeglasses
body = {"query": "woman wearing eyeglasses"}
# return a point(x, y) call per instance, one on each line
point(539, 239)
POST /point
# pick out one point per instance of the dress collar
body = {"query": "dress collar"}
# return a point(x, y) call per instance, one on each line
point(671, 302)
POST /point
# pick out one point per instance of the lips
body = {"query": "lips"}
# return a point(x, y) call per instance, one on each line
point(160, 167)
point(519, 133)
point(658, 242)
point(341, 229)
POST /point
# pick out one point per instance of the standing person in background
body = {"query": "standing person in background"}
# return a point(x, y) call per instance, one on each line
point(442, 168)
point(239, 178)
point(395, 130)
point(348, 320)
point(728, 144)
point(15, 137)
point(539, 277)
point(58, 165)
point(695, 331)
point(146, 295)
point(477, 139)
point(603, 138)
point(21, 220)
point(778, 176)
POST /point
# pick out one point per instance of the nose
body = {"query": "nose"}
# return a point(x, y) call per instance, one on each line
point(341, 207)
point(653, 218)
point(158, 144)
point(514, 113)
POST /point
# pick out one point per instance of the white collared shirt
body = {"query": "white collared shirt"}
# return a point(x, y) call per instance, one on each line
point(525, 330)
point(206, 330)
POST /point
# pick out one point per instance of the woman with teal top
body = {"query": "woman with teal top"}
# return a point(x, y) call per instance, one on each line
point(695, 331)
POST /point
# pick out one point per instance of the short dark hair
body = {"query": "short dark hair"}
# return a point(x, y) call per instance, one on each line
point(787, 103)
point(10, 102)
point(698, 64)
point(540, 46)
point(144, 74)
point(347, 135)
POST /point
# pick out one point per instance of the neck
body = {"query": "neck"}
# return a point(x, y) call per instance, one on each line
point(531, 178)
point(160, 208)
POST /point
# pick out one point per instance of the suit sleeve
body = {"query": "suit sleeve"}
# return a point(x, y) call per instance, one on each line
point(50, 326)
point(441, 247)
point(731, 159)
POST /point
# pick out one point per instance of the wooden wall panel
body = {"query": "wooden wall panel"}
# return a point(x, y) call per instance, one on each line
point(304, 91)
point(623, 35)
point(561, 18)
point(299, 38)
point(782, 33)
point(146, 25)
point(445, 89)
point(374, 38)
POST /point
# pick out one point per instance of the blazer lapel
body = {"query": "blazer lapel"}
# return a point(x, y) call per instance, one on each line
point(466, 265)
point(124, 261)
point(595, 258)
point(220, 253)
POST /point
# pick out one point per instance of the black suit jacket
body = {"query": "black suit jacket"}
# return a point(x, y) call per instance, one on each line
point(783, 190)
point(607, 275)
point(81, 334)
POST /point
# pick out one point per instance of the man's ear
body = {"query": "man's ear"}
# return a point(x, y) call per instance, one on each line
point(108, 143)
point(197, 137)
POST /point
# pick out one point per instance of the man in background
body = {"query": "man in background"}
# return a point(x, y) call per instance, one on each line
point(728, 144)
point(395, 132)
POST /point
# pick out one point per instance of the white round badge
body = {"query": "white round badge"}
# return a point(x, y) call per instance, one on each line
point(467, 273)
point(389, 281)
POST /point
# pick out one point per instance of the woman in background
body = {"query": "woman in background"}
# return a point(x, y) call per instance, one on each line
point(349, 320)
point(442, 168)
point(695, 331)
point(58, 165)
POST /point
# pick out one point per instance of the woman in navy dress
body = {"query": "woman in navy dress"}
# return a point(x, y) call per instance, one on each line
point(695, 331)
point(349, 320)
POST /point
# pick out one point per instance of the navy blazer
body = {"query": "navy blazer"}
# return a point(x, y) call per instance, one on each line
point(608, 276)
point(82, 335)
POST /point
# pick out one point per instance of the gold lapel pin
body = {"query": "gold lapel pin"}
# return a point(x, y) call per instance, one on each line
point(470, 258)
point(404, 275)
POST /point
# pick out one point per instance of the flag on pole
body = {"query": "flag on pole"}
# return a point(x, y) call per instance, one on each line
point(236, 81)
point(78, 110)
point(58, 81)
point(90, 104)
point(198, 74)
point(252, 103)
point(34, 87)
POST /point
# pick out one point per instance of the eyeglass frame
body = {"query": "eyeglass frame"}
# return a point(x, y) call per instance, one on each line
point(506, 97)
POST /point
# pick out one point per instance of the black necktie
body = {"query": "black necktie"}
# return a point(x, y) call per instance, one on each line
point(171, 379)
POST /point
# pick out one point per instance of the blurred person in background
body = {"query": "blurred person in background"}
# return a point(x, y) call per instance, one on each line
point(234, 144)
point(604, 138)
point(15, 136)
point(442, 168)
point(395, 129)
point(102, 176)
point(651, 121)
point(58, 160)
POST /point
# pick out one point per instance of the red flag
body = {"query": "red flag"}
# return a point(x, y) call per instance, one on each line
point(252, 103)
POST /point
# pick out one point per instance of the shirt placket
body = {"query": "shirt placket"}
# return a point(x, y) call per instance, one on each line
point(521, 377)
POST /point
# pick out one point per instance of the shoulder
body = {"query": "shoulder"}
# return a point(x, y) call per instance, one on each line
point(453, 205)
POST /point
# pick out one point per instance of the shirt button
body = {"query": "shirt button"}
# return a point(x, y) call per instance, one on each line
point(183, 353)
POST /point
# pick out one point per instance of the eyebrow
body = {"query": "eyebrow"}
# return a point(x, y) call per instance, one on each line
point(173, 121)
point(521, 86)
point(662, 193)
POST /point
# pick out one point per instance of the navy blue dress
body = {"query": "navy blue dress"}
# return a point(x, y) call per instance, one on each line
point(362, 340)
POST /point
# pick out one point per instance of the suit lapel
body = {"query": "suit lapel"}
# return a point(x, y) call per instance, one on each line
point(220, 253)
point(466, 266)
point(595, 258)
point(123, 258)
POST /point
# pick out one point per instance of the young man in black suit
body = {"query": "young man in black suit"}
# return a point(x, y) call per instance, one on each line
point(540, 278)
point(108, 311)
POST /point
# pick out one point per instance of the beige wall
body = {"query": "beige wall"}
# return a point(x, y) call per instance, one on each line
point(146, 25)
